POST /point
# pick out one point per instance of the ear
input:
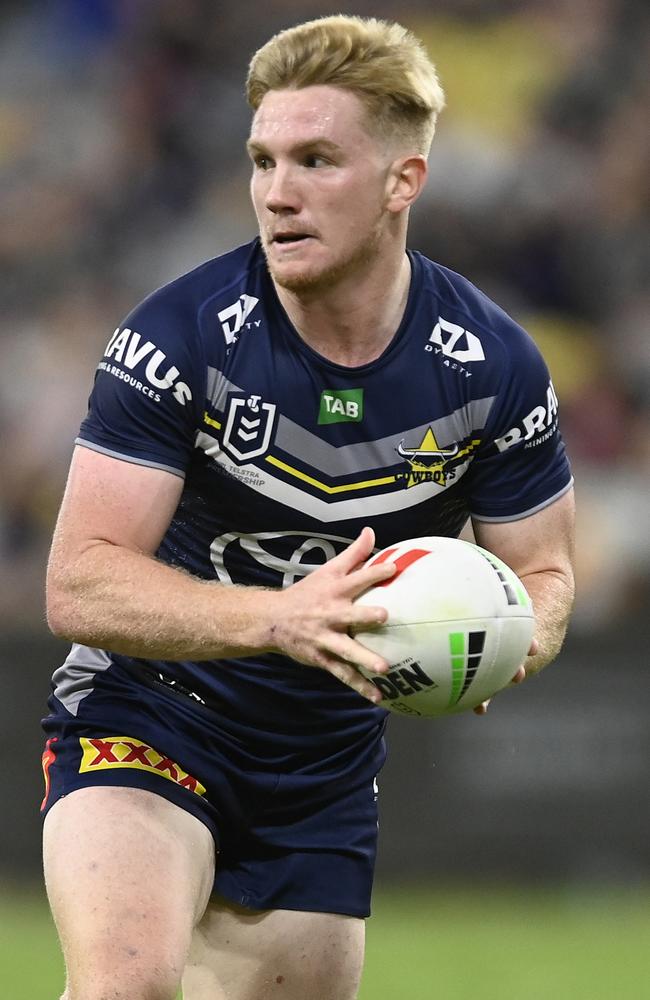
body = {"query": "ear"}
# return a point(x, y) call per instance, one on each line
point(406, 178)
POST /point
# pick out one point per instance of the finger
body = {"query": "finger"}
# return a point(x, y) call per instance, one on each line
point(345, 647)
point(369, 576)
point(356, 552)
point(349, 675)
point(534, 647)
point(482, 708)
point(361, 617)
point(519, 677)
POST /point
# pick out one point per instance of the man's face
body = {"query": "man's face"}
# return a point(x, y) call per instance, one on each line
point(318, 186)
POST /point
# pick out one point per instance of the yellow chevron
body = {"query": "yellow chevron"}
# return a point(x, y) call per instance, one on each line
point(213, 423)
point(385, 481)
point(349, 487)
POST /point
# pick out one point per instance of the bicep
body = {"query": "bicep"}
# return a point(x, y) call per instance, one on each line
point(108, 500)
point(540, 543)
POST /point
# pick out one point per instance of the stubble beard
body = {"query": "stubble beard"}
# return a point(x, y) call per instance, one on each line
point(308, 282)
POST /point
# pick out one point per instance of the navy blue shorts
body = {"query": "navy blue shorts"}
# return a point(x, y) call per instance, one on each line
point(302, 837)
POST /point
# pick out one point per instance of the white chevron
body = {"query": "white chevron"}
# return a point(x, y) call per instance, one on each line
point(250, 423)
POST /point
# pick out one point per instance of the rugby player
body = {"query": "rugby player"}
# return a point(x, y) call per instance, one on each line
point(256, 429)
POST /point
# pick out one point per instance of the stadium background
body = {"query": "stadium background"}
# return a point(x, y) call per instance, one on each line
point(515, 854)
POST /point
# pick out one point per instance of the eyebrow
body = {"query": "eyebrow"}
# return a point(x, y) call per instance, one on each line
point(301, 147)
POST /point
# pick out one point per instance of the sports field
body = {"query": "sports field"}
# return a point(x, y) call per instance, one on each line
point(435, 945)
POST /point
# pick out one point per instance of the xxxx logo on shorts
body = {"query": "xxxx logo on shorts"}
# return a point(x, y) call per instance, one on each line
point(123, 751)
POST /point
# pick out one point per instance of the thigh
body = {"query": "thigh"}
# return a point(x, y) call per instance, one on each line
point(128, 876)
point(239, 954)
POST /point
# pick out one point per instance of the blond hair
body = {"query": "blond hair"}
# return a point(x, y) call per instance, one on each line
point(381, 62)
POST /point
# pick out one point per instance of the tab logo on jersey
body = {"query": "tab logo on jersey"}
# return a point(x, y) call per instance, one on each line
point(456, 342)
point(126, 752)
point(234, 317)
point(249, 425)
point(536, 427)
point(127, 348)
point(341, 406)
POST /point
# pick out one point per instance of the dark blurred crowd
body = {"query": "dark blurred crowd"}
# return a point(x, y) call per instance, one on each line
point(122, 129)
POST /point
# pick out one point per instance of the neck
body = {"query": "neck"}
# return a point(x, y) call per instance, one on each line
point(353, 322)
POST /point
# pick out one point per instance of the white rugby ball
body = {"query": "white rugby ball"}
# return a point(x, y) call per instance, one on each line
point(459, 625)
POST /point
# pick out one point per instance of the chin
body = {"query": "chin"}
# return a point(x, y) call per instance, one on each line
point(304, 279)
point(295, 280)
point(299, 276)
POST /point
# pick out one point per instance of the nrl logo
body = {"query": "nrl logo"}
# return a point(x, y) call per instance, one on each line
point(249, 426)
point(428, 461)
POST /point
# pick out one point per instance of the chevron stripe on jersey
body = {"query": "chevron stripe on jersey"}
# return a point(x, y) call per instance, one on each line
point(208, 379)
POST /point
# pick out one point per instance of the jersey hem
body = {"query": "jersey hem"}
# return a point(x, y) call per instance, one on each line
point(143, 782)
point(228, 889)
point(526, 513)
point(128, 458)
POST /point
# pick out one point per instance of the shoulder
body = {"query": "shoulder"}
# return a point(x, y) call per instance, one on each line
point(175, 324)
point(161, 351)
point(471, 326)
point(507, 368)
point(185, 297)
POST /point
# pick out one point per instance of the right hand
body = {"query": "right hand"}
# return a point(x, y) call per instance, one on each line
point(520, 676)
point(313, 616)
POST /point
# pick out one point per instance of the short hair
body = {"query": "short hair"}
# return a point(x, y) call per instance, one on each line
point(381, 62)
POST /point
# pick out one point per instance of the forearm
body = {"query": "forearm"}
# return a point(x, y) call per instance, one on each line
point(128, 602)
point(552, 595)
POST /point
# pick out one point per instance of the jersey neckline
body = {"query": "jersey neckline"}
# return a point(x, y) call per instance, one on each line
point(394, 344)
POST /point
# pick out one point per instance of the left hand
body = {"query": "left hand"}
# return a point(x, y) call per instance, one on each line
point(517, 679)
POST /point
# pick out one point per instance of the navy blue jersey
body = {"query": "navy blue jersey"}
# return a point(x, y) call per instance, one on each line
point(285, 455)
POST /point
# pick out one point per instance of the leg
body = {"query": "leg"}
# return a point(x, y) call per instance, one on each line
point(128, 876)
point(240, 954)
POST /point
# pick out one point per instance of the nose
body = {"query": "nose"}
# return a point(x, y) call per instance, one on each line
point(282, 192)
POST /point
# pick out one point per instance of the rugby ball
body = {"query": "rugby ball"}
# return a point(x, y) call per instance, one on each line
point(459, 626)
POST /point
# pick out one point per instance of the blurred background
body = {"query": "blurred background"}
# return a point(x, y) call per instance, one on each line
point(122, 165)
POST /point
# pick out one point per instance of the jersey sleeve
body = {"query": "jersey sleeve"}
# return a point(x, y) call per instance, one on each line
point(522, 464)
point(149, 387)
